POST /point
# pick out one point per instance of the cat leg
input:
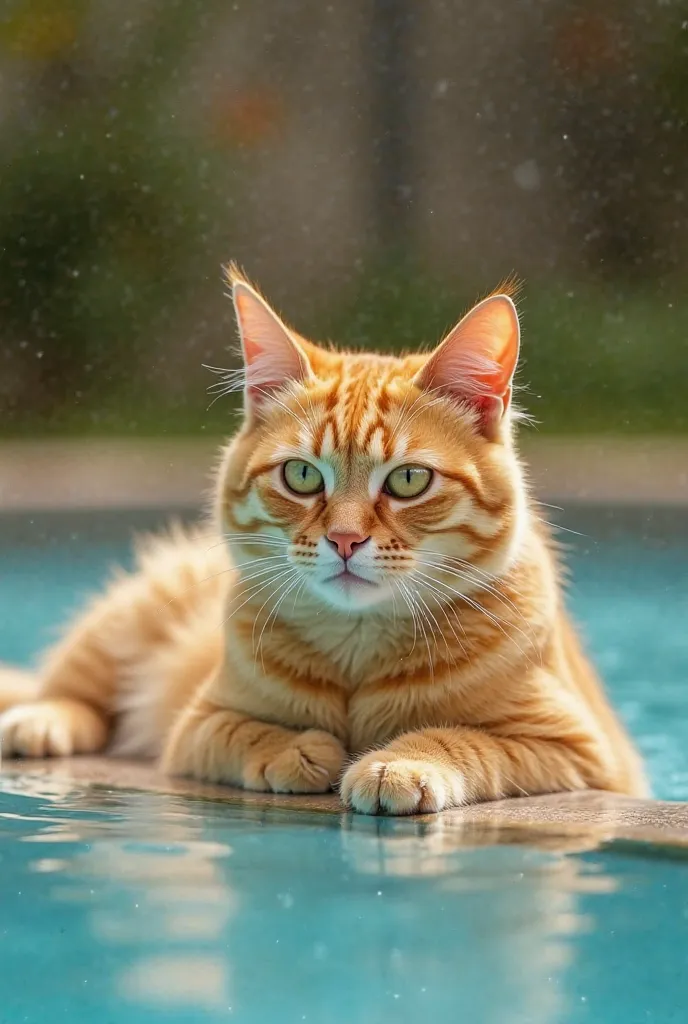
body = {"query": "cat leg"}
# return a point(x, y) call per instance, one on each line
point(436, 768)
point(212, 743)
point(16, 686)
point(79, 687)
point(52, 728)
point(70, 713)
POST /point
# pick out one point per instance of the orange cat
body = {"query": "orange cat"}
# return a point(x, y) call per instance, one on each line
point(377, 606)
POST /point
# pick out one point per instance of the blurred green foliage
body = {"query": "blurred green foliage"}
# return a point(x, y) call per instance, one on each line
point(594, 359)
point(111, 221)
point(114, 222)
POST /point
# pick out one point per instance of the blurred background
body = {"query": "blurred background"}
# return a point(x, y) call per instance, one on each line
point(375, 165)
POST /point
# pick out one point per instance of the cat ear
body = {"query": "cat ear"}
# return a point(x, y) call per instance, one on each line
point(475, 363)
point(272, 356)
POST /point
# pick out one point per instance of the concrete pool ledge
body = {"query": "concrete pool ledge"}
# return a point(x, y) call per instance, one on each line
point(568, 821)
point(106, 473)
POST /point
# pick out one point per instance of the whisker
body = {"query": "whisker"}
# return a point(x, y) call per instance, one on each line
point(450, 656)
point(411, 609)
point(278, 401)
point(404, 414)
point(425, 407)
point(485, 587)
point(421, 622)
point(262, 572)
point(223, 543)
point(441, 397)
point(222, 385)
point(454, 561)
point(256, 561)
point(394, 607)
point(400, 415)
point(296, 595)
point(494, 619)
point(290, 585)
point(412, 595)
point(441, 606)
point(556, 526)
point(522, 791)
point(310, 413)
point(220, 370)
point(256, 538)
point(235, 380)
point(215, 399)
point(462, 563)
point(255, 589)
point(291, 579)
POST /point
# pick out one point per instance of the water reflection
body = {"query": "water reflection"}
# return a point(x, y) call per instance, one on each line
point(173, 980)
point(509, 917)
point(181, 910)
point(200, 923)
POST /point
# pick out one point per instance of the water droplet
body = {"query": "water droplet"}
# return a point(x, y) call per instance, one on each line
point(527, 176)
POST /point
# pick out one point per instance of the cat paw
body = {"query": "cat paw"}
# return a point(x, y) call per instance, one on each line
point(385, 783)
point(311, 762)
point(57, 728)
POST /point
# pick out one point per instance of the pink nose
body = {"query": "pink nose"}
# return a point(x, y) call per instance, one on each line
point(346, 543)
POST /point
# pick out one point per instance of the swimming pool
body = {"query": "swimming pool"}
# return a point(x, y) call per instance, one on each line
point(121, 906)
point(629, 593)
point(132, 907)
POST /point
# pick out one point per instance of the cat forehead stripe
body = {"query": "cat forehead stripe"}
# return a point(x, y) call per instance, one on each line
point(327, 445)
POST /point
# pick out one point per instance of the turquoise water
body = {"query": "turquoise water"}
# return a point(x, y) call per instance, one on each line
point(630, 599)
point(129, 907)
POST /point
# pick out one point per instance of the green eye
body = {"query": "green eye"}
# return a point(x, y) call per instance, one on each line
point(408, 481)
point(302, 478)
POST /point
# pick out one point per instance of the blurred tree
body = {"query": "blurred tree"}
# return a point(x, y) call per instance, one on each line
point(619, 101)
point(109, 212)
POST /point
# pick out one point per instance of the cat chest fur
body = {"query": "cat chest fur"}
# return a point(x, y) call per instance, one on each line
point(364, 683)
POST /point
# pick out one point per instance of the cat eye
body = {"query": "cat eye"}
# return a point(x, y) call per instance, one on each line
point(302, 478)
point(408, 481)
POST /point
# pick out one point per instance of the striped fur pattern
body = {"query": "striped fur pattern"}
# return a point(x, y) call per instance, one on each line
point(410, 649)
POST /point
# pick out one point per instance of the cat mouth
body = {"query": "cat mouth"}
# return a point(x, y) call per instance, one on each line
point(350, 580)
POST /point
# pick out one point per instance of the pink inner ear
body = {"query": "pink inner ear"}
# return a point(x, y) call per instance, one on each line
point(260, 375)
point(252, 350)
point(271, 355)
point(477, 359)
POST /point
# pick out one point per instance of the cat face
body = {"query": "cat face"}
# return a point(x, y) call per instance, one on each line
point(371, 480)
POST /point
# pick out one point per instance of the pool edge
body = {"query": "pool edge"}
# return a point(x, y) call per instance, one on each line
point(591, 816)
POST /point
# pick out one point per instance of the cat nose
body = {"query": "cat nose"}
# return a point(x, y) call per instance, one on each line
point(346, 543)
